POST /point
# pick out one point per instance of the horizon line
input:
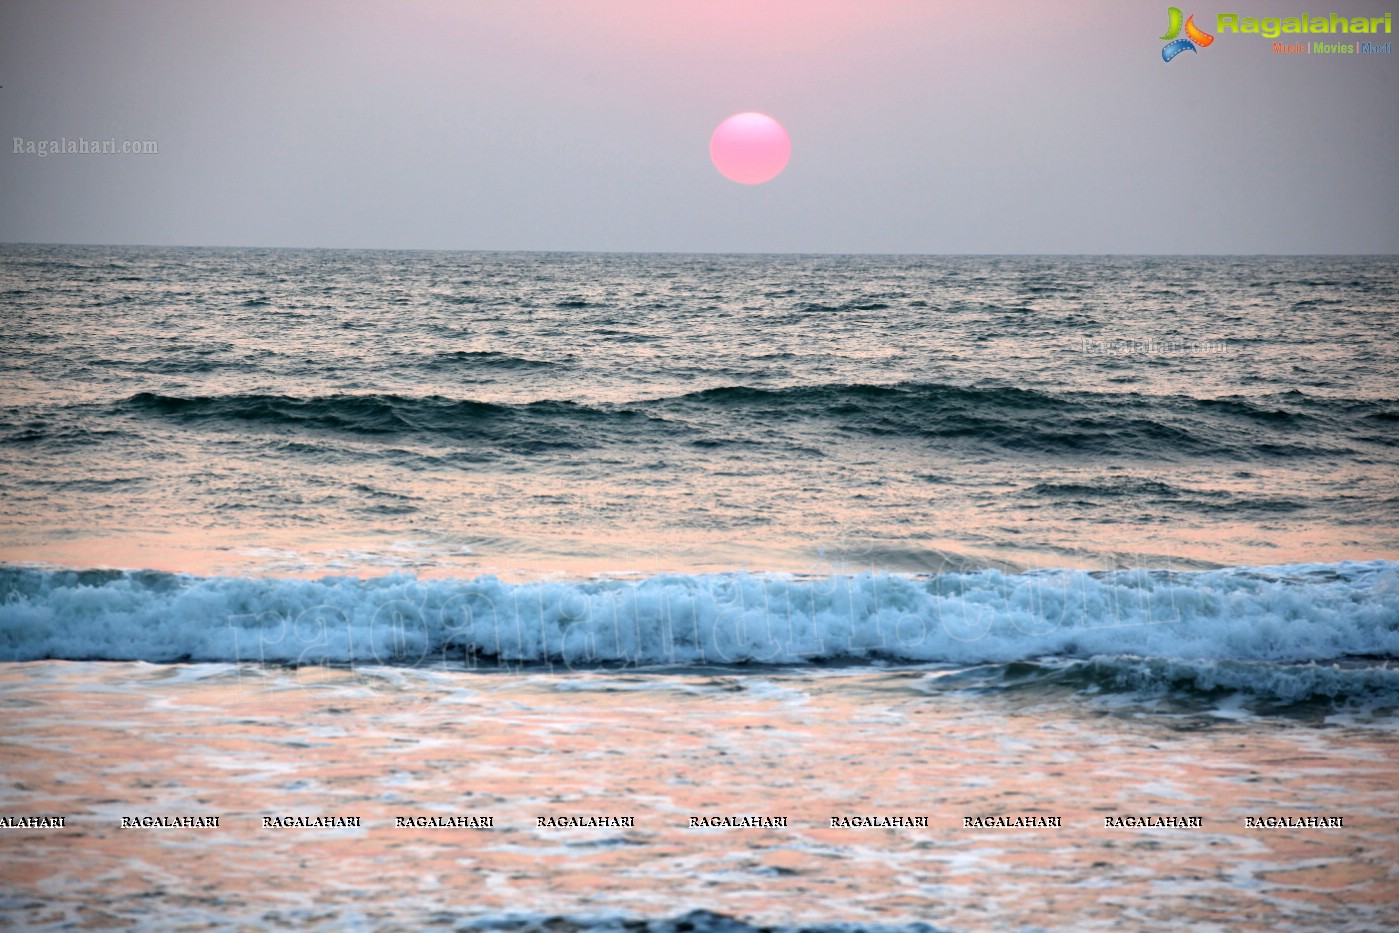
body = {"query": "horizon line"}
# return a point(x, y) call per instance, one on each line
point(671, 252)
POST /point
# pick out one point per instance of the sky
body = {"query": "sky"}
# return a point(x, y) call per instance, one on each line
point(922, 126)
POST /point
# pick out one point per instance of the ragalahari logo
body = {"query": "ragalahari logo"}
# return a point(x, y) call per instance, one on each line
point(1194, 36)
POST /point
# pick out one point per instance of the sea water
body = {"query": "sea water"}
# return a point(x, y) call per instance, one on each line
point(665, 537)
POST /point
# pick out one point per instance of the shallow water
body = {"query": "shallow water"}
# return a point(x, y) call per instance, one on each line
point(96, 741)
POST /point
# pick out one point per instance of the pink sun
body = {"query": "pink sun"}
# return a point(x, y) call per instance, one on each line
point(750, 148)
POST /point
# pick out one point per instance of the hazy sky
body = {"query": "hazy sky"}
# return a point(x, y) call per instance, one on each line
point(927, 127)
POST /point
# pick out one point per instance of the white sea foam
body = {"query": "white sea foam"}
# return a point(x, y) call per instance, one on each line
point(1311, 613)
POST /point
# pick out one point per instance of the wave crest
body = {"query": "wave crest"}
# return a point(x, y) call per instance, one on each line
point(1290, 615)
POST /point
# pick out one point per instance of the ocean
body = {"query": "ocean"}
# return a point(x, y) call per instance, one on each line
point(697, 592)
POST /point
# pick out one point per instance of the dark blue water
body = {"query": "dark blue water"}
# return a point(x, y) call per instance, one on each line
point(297, 411)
